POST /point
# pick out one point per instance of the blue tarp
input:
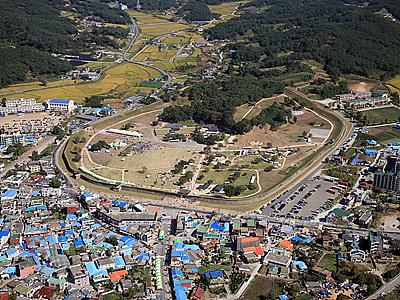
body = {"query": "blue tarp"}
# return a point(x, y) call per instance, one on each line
point(177, 253)
point(71, 217)
point(300, 264)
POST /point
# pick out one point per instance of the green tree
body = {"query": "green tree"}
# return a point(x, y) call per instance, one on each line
point(35, 155)
point(55, 183)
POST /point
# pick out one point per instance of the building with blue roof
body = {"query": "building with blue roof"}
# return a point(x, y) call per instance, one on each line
point(87, 196)
point(180, 293)
point(372, 143)
point(119, 262)
point(394, 143)
point(300, 265)
point(60, 105)
point(144, 256)
point(98, 275)
point(4, 236)
point(9, 195)
point(370, 152)
point(78, 242)
point(214, 274)
point(62, 239)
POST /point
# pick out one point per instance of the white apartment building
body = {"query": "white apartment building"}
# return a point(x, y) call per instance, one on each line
point(16, 106)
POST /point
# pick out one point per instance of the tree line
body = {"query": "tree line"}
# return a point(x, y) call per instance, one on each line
point(345, 39)
point(215, 103)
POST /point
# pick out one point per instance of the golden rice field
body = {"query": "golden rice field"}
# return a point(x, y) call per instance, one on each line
point(162, 28)
point(225, 9)
point(153, 53)
point(143, 18)
point(182, 38)
point(394, 84)
point(120, 81)
point(19, 87)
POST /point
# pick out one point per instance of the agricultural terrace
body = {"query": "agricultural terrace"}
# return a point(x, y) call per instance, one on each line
point(382, 115)
point(119, 81)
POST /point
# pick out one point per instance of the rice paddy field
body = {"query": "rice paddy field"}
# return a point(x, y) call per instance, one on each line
point(153, 30)
point(123, 79)
point(153, 53)
point(182, 38)
point(143, 18)
point(225, 9)
point(394, 84)
point(120, 81)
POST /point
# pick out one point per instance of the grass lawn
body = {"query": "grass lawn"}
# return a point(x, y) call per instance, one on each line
point(221, 176)
point(144, 168)
point(382, 115)
point(261, 286)
point(350, 152)
point(328, 262)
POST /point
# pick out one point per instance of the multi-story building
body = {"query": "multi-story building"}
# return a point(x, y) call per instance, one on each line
point(11, 138)
point(370, 102)
point(389, 177)
point(352, 96)
point(375, 242)
point(15, 106)
point(60, 105)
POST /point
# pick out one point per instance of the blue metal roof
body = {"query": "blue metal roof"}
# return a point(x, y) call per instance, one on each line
point(119, 262)
point(59, 101)
point(9, 194)
point(4, 233)
point(213, 274)
point(78, 242)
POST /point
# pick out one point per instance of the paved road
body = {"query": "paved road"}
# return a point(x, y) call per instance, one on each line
point(386, 288)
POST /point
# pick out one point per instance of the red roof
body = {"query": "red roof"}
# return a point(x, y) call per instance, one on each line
point(257, 250)
point(286, 244)
point(248, 239)
point(116, 276)
point(4, 296)
point(45, 292)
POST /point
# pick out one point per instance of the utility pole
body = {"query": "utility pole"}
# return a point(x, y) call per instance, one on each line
point(138, 6)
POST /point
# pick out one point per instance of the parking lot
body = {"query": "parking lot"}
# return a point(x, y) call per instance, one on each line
point(308, 201)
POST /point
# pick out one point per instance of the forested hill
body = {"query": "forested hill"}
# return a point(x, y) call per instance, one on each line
point(29, 32)
point(345, 36)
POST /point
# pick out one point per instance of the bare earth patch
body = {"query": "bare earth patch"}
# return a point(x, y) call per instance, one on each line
point(361, 86)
